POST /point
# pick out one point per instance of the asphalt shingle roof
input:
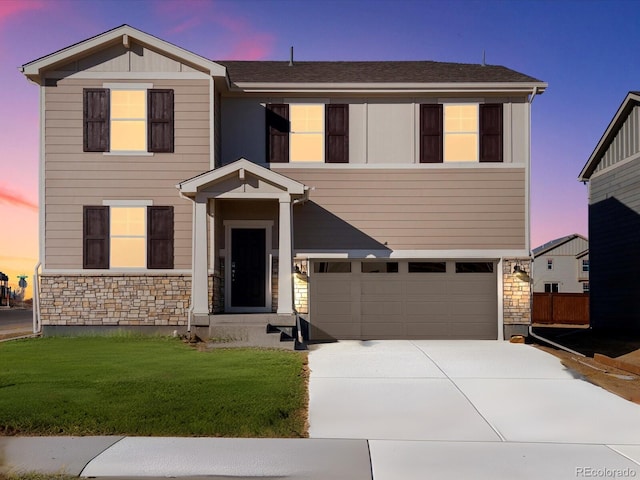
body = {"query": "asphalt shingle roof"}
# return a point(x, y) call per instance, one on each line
point(369, 72)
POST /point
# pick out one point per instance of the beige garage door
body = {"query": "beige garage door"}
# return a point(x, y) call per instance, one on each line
point(403, 299)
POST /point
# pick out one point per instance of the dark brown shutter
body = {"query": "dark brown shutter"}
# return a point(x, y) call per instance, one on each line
point(160, 120)
point(278, 133)
point(95, 116)
point(337, 133)
point(159, 237)
point(95, 237)
point(491, 132)
point(431, 133)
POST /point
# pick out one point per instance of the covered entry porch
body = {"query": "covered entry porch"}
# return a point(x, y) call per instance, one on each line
point(242, 259)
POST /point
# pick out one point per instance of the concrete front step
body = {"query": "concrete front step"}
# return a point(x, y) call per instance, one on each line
point(244, 318)
point(242, 335)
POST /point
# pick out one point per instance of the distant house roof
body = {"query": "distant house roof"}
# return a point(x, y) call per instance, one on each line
point(370, 72)
point(553, 244)
point(631, 100)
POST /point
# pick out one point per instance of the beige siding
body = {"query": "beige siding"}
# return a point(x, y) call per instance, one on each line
point(74, 178)
point(475, 208)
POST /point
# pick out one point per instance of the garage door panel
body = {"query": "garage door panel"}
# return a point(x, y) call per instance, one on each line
point(381, 286)
point(421, 305)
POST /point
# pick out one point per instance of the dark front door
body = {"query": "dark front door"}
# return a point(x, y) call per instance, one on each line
point(248, 267)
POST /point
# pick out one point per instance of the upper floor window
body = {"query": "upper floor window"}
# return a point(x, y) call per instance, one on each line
point(549, 263)
point(461, 133)
point(585, 265)
point(585, 287)
point(307, 133)
point(128, 120)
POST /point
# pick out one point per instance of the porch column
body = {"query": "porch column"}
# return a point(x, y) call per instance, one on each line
point(200, 280)
point(285, 259)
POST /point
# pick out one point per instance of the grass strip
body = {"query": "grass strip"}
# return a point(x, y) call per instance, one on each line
point(149, 386)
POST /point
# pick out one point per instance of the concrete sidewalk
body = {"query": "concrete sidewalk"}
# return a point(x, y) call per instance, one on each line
point(394, 410)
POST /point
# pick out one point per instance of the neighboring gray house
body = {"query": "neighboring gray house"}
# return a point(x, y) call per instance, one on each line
point(613, 173)
point(562, 265)
point(373, 199)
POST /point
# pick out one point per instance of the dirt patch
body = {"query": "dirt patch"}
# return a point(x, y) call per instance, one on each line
point(616, 365)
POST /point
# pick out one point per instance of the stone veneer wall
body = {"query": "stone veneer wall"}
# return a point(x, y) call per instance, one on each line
point(216, 289)
point(114, 299)
point(517, 293)
point(274, 284)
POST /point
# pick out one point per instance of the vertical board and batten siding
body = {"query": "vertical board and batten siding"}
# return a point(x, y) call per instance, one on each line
point(626, 142)
point(614, 237)
point(417, 209)
point(74, 178)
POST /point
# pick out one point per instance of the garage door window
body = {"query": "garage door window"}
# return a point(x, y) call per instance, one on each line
point(332, 267)
point(379, 267)
point(474, 267)
point(427, 267)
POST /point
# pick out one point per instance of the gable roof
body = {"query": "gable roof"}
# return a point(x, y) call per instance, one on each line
point(274, 75)
point(122, 34)
point(553, 244)
point(631, 100)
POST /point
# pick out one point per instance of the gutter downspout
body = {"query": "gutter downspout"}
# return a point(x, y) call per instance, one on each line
point(37, 324)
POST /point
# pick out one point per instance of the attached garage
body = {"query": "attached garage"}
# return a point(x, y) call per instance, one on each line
point(442, 299)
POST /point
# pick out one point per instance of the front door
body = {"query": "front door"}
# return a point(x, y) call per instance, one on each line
point(248, 267)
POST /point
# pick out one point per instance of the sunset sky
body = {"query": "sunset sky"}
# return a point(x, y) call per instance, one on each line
point(586, 50)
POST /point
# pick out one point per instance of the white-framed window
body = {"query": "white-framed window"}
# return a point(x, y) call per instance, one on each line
point(307, 132)
point(128, 238)
point(585, 266)
point(551, 287)
point(585, 287)
point(128, 120)
point(549, 263)
point(461, 132)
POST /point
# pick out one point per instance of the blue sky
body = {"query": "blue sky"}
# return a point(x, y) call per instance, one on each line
point(586, 50)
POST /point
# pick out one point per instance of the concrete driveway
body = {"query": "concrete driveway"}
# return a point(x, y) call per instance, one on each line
point(452, 407)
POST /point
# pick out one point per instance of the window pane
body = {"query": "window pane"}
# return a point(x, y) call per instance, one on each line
point(474, 267)
point(306, 118)
point(332, 267)
point(128, 252)
point(128, 103)
point(460, 118)
point(461, 147)
point(306, 147)
point(379, 267)
point(128, 135)
point(427, 267)
point(127, 221)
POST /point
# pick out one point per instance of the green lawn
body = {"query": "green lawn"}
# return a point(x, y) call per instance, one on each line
point(149, 386)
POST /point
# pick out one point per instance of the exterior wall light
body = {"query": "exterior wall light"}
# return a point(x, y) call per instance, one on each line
point(520, 274)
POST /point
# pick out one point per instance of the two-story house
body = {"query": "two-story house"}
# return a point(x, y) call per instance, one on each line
point(372, 199)
point(562, 265)
point(613, 174)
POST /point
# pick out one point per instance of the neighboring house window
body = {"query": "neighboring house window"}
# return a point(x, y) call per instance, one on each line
point(549, 263)
point(585, 265)
point(461, 133)
point(585, 287)
point(551, 288)
point(307, 133)
point(128, 237)
point(128, 120)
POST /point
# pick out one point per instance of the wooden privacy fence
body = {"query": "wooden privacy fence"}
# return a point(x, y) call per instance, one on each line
point(561, 308)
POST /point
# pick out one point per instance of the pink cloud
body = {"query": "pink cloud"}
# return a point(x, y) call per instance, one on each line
point(10, 8)
point(12, 198)
point(245, 41)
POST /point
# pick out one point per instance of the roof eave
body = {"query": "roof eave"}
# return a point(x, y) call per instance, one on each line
point(385, 87)
point(631, 99)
